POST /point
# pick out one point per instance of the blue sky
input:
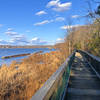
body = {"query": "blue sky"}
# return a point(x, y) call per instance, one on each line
point(38, 22)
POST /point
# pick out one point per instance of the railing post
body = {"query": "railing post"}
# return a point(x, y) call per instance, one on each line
point(55, 86)
point(92, 60)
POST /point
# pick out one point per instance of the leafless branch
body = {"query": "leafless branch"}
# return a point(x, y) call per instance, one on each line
point(95, 1)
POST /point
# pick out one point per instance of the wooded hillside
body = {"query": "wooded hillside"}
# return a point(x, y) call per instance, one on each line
point(86, 37)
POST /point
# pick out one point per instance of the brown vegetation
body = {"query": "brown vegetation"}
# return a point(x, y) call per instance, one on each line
point(21, 81)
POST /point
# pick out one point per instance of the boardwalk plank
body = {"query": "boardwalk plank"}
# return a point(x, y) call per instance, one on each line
point(83, 83)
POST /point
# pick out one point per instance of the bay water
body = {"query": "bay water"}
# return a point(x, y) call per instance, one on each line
point(17, 51)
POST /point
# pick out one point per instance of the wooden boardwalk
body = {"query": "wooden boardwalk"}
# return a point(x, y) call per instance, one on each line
point(84, 83)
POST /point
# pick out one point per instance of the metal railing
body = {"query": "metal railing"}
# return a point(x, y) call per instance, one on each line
point(55, 86)
point(92, 60)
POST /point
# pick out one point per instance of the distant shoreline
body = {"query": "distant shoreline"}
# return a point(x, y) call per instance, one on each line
point(34, 46)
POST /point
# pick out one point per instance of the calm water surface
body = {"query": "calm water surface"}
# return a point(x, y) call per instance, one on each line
point(15, 51)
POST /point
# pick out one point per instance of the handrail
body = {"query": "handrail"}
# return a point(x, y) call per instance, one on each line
point(94, 57)
point(92, 60)
point(54, 87)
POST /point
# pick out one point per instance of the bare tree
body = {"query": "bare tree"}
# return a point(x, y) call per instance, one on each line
point(70, 29)
point(95, 1)
point(94, 14)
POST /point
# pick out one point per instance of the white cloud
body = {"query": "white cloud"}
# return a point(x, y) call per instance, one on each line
point(3, 42)
point(53, 3)
point(37, 41)
point(60, 19)
point(62, 7)
point(15, 38)
point(40, 13)
point(21, 39)
point(60, 40)
point(10, 29)
point(43, 22)
point(64, 27)
point(58, 6)
point(19, 36)
point(18, 40)
point(70, 27)
point(11, 33)
point(75, 16)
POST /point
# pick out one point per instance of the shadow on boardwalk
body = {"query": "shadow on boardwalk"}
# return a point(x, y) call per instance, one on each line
point(83, 84)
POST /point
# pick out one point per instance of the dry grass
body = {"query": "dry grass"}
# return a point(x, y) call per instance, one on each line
point(21, 81)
